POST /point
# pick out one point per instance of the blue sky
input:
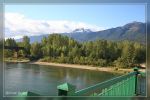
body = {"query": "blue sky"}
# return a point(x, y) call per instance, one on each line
point(101, 15)
point(46, 19)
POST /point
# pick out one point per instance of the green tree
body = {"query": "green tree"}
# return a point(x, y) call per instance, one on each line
point(26, 45)
point(128, 55)
point(62, 49)
point(12, 43)
point(36, 50)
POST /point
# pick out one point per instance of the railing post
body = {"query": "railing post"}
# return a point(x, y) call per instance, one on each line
point(66, 89)
point(136, 80)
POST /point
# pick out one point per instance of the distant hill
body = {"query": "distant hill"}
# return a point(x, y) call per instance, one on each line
point(135, 31)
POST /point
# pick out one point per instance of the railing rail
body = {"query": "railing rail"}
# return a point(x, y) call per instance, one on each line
point(125, 85)
point(123, 88)
point(104, 86)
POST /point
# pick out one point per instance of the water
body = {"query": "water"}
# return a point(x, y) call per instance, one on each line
point(44, 80)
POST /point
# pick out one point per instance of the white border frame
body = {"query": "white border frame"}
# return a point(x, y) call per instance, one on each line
point(4, 4)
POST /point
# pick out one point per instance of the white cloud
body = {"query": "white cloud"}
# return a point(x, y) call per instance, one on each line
point(17, 25)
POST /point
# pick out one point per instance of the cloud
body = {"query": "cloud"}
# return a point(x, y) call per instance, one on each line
point(18, 25)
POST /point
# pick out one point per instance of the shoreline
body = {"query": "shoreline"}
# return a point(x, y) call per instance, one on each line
point(17, 60)
point(77, 66)
point(87, 67)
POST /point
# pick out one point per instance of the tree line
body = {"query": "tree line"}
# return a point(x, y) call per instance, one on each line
point(62, 49)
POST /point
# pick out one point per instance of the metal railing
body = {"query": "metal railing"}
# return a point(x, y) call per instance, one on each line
point(125, 85)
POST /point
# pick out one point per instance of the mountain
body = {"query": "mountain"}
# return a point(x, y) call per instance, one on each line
point(81, 30)
point(135, 31)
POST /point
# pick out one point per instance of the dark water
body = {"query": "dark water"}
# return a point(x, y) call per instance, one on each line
point(45, 79)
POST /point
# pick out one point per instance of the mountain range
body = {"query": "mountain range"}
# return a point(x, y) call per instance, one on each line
point(134, 31)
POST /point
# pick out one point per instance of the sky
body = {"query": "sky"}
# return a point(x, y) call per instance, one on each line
point(44, 19)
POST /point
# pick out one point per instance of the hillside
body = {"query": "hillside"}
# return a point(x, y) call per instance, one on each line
point(135, 31)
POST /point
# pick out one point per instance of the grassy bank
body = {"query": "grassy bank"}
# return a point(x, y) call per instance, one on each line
point(10, 59)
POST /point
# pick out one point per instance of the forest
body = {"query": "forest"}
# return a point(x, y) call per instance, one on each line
point(62, 49)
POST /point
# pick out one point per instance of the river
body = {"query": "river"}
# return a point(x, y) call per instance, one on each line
point(43, 79)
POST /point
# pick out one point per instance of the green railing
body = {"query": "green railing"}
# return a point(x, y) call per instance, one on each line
point(125, 85)
point(123, 88)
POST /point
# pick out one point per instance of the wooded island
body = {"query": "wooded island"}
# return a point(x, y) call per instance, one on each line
point(62, 49)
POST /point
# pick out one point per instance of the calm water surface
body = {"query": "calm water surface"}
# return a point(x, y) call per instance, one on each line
point(44, 79)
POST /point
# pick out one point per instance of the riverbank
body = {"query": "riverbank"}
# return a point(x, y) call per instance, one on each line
point(107, 69)
point(17, 60)
point(87, 67)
